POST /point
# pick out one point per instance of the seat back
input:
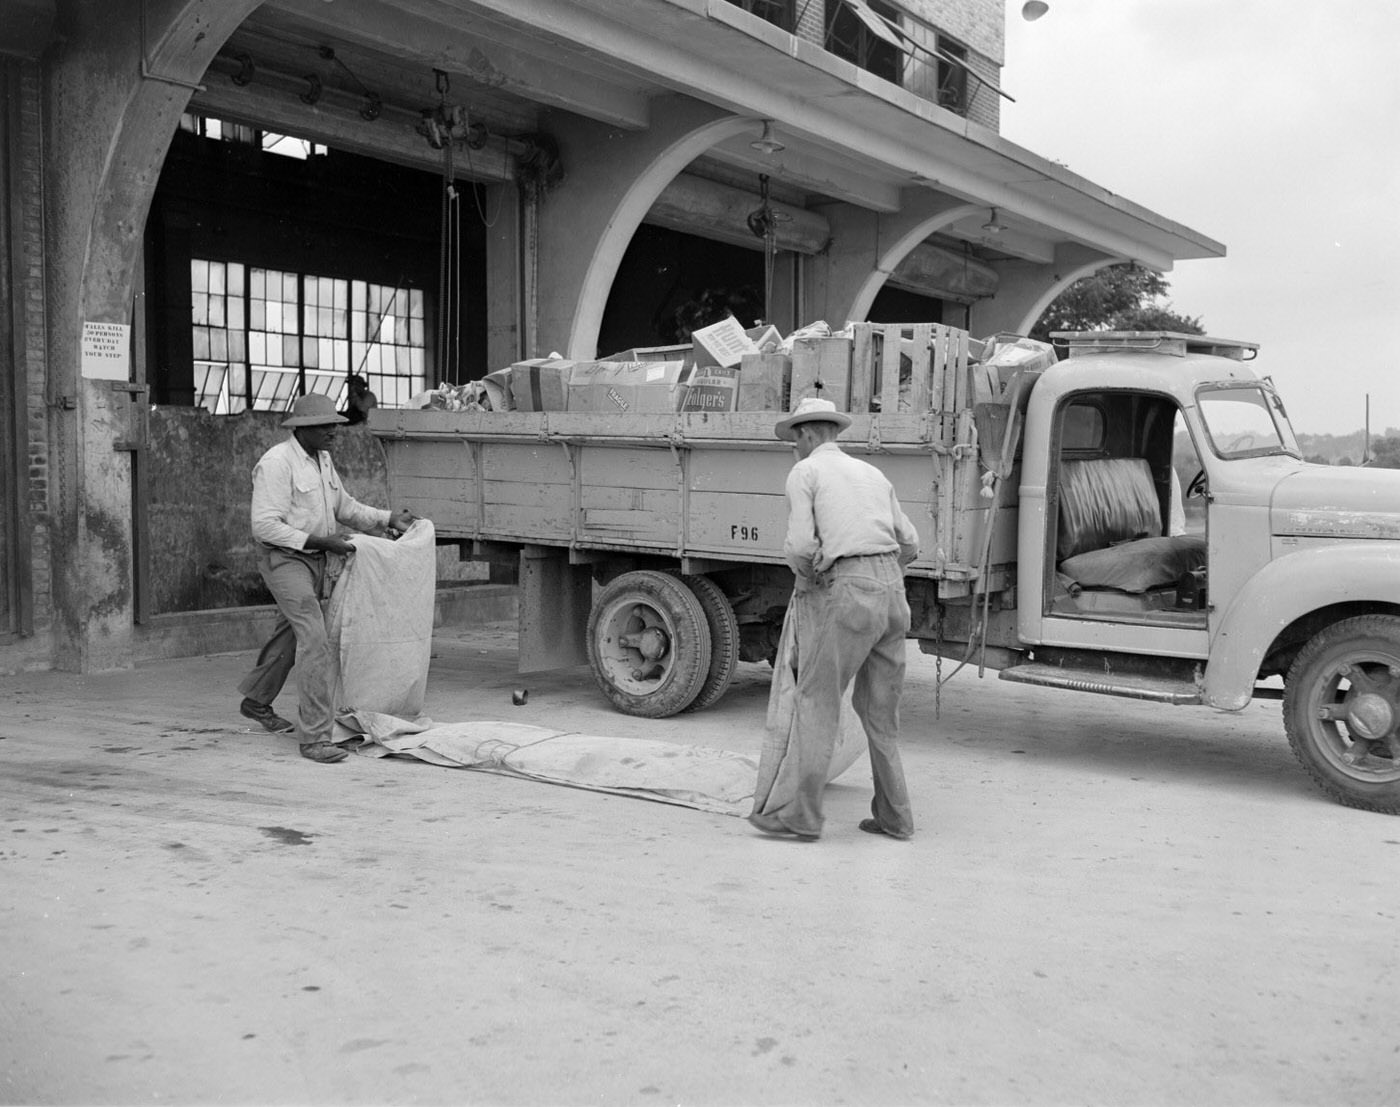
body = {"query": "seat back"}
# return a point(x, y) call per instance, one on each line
point(1105, 501)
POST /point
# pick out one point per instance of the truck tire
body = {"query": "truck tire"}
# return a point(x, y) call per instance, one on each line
point(1341, 709)
point(648, 644)
point(724, 640)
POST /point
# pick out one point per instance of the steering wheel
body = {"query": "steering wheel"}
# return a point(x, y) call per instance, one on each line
point(1197, 487)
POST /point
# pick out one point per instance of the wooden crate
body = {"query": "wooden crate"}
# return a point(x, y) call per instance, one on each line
point(909, 367)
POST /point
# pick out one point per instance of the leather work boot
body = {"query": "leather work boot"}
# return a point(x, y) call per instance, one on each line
point(324, 752)
point(263, 713)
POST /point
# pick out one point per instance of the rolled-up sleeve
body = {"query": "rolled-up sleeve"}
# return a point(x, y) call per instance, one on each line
point(904, 532)
point(351, 512)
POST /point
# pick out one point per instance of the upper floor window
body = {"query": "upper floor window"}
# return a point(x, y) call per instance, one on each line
point(859, 32)
point(780, 13)
point(952, 76)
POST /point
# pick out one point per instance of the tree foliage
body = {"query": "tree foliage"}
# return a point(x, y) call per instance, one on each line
point(1116, 298)
point(1385, 452)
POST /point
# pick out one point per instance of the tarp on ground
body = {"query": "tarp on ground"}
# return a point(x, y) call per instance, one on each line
point(380, 620)
point(691, 776)
point(701, 777)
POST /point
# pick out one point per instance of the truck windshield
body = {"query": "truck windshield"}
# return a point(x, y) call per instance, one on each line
point(1246, 420)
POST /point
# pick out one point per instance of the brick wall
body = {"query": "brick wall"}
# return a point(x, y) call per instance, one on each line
point(23, 373)
point(977, 24)
point(811, 20)
point(30, 182)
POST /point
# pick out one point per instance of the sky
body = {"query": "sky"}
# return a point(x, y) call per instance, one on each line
point(1273, 128)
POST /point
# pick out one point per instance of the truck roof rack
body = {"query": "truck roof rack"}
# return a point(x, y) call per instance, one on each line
point(1161, 342)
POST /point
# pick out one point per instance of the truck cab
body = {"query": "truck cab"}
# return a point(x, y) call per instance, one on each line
point(1270, 567)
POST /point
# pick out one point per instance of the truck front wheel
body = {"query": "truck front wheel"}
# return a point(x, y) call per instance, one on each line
point(1341, 708)
point(648, 644)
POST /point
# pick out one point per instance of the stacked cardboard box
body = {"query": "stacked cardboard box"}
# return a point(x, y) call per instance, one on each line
point(540, 384)
point(626, 386)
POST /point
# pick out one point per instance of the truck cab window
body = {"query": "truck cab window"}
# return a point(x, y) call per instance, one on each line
point(1083, 429)
point(1246, 421)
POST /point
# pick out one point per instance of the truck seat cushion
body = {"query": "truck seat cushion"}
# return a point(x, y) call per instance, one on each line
point(1105, 501)
point(1137, 566)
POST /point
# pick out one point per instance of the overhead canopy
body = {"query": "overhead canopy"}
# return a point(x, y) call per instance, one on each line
point(509, 62)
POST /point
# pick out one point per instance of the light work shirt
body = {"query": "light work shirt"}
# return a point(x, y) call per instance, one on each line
point(296, 496)
point(840, 506)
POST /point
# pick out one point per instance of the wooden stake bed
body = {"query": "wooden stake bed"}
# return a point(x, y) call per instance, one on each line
point(710, 486)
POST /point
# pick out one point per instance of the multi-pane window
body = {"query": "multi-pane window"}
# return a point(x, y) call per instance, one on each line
point(859, 32)
point(264, 336)
point(269, 142)
point(952, 75)
point(780, 13)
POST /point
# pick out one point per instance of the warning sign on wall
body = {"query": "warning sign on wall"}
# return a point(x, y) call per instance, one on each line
point(107, 351)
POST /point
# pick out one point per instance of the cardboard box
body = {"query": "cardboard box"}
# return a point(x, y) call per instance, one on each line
point(821, 367)
point(496, 387)
point(685, 353)
point(711, 388)
point(626, 386)
point(541, 384)
point(765, 336)
point(764, 380)
point(722, 343)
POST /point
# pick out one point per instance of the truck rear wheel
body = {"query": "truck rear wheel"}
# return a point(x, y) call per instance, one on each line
point(648, 644)
point(1341, 708)
point(724, 641)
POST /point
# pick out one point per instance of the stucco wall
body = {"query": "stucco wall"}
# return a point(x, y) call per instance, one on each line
point(199, 489)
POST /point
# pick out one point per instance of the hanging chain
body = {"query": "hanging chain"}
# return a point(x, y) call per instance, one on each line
point(938, 664)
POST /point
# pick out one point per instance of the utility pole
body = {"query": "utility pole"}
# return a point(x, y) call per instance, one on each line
point(1366, 434)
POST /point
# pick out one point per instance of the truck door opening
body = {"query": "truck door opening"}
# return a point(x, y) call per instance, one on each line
point(1119, 549)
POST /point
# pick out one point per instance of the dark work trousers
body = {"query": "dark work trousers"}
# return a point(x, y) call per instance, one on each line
point(860, 616)
point(297, 580)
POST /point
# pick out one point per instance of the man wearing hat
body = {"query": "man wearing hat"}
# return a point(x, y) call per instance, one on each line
point(848, 542)
point(298, 504)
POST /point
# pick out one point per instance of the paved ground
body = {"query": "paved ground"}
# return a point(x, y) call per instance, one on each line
point(1107, 903)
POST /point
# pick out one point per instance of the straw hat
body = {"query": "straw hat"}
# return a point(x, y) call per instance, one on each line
point(314, 410)
point(810, 410)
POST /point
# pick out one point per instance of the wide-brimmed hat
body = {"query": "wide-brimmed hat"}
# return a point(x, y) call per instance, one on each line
point(314, 410)
point(810, 410)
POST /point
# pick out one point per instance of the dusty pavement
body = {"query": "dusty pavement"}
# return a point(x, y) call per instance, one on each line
point(1107, 903)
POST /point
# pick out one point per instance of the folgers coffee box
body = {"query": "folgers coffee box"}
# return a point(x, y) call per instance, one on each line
point(712, 388)
point(626, 386)
point(541, 384)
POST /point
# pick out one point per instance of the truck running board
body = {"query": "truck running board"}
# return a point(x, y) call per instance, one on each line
point(1131, 685)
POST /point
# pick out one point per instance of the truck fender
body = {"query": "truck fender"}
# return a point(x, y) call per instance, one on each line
point(1283, 591)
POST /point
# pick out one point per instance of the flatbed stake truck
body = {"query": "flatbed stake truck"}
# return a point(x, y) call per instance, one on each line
point(650, 545)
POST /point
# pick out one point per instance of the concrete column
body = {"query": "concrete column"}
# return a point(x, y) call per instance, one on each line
point(611, 179)
point(119, 75)
point(1027, 289)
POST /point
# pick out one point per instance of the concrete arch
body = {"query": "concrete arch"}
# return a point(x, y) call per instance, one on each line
point(119, 76)
point(1026, 289)
point(1047, 297)
point(122, 118)
point(911, 226)
point(613, 178)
